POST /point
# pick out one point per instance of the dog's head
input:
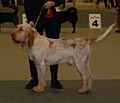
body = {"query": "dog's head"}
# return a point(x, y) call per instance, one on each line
point(24, 34)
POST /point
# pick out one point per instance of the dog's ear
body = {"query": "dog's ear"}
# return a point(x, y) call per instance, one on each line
point(31, 37)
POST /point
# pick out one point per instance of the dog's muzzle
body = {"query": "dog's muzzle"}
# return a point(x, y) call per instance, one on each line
point(13, 36)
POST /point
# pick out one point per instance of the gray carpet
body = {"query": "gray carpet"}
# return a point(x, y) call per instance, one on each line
point(104, 91)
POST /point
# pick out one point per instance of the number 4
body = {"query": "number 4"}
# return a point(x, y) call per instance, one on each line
point(95, 23)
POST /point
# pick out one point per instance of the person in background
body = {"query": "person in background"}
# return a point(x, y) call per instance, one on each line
point(49, 21)
point(116, 2)
point(105, 3)
point(118, 16)
point(112, 3)
point(0, 3)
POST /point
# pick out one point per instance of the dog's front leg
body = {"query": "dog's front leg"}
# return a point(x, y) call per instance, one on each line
point(41, 81)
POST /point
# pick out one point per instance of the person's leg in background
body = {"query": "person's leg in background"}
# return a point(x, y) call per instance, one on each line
point(0, 3)
point(12, 2)
point(106, 4)
point(97, 3)
point(118, 16)
point(118, 23)
point(112, 4)
point(115, 2)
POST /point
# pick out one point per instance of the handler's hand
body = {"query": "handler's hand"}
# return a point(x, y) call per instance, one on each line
point(49, 4)
point(32, 23)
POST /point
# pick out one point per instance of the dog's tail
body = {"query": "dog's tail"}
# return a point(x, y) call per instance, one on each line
point(15, 8)
point(101, 37)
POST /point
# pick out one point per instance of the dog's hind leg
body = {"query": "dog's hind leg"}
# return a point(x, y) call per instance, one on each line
point(82, 67)
point(41, 81)
point(89, 74)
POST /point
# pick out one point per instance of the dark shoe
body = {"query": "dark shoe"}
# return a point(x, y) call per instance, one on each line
point(113, 6)
point(56, 84)
point(117, 31)
point(107, 7)
point(31, 84)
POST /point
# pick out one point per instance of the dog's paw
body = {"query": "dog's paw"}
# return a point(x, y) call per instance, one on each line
point(38, 89)
point(83, 91)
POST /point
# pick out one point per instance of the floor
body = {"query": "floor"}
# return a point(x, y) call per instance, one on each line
point(104, 91)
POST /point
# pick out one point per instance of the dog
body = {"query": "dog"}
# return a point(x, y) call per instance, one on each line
point(71, 16)
point(10, 16)
point(47, 51)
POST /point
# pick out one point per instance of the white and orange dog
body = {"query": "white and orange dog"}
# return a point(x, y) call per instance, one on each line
point(46, 51)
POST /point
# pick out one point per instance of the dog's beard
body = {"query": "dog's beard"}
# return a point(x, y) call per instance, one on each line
point(18, 42)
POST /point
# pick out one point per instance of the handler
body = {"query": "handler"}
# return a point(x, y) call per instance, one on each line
point(44, 15)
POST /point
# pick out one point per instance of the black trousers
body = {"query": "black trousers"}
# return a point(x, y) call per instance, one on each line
point(52, 28)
